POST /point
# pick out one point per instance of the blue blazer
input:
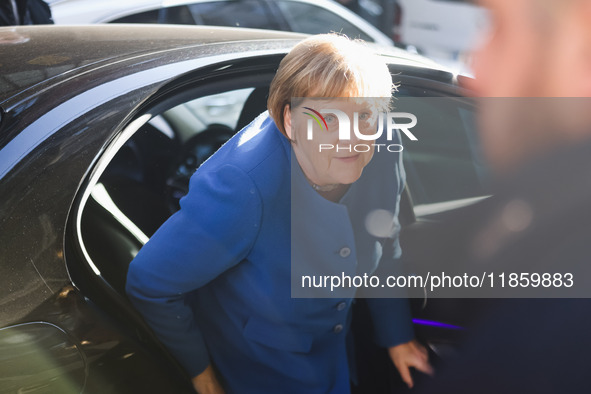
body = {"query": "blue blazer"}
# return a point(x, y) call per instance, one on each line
point(214, 282)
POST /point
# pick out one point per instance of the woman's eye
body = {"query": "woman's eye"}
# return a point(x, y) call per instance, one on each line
point(329, 118)
point(364, 116)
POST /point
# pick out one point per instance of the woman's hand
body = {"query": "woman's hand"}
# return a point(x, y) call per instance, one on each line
point(207, 383)
point(410, 354)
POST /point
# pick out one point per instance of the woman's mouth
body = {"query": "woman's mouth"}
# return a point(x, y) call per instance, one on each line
point(348, 159)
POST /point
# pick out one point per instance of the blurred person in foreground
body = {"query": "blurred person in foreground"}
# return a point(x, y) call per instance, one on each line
point(24, 12)
point(214, 282)
point(535, 66)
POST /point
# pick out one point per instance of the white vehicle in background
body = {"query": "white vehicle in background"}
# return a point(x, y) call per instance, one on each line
point(301, 16)
point(444, 30)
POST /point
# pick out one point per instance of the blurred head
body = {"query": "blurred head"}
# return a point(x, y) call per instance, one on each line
point(534, 48)
point(327, 66)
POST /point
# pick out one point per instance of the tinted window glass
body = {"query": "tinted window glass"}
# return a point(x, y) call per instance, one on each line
point(446, 163)
point(175, 15)
point(311, 19)
point(249, 13)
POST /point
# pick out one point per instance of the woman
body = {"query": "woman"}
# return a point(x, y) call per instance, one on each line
point(214, 282)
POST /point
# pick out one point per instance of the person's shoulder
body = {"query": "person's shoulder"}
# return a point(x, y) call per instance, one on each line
point(258, 147)
point(40, 12)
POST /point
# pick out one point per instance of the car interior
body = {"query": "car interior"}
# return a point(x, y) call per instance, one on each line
point(142, 183)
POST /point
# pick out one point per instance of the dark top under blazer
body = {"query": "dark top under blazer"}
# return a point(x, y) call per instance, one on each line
point(214, 281)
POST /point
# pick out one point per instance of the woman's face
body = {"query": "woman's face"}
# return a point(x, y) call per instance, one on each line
point(323, 156)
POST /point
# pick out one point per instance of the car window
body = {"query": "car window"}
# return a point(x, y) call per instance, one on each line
point(194, 116)
point(445, 165)
point(179, 15)
point(311, 19)
point(248, 13)
point(144, 180)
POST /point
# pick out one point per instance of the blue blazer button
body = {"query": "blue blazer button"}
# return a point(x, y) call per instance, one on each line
point(345, 252)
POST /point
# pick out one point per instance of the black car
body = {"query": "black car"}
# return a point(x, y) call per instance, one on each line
point(100, 129)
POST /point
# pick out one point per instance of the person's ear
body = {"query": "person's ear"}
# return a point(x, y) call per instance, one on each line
point(287, 121)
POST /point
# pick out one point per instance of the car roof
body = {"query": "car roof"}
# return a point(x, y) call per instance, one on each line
point(35, 54)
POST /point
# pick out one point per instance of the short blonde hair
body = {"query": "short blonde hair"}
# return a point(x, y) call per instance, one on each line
point(327, 65)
